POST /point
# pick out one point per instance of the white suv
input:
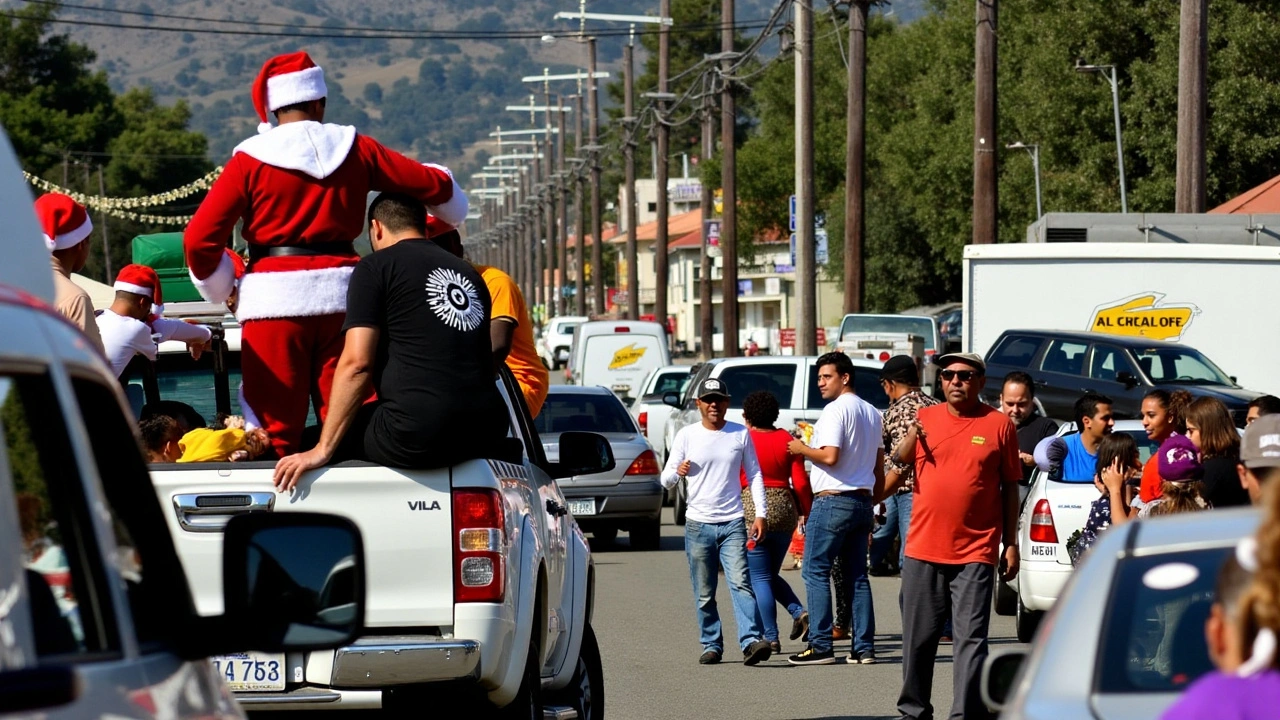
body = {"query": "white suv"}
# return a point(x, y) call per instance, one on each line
point(557, 340)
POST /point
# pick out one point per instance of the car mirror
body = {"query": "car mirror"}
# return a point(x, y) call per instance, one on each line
point(653, 399)
point(294, 581)
point(1128, 379)
point(39, 688)
point(583, 453)
point(628, 401)
point(999, 673)
point(672, 399)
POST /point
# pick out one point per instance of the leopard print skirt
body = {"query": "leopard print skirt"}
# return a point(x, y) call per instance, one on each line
point(780, 505)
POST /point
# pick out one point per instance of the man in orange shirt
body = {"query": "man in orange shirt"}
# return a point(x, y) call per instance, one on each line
point(509, 327)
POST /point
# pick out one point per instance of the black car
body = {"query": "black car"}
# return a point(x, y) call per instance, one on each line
point(1065, 364)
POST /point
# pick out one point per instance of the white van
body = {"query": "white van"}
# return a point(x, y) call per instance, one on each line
point(618, 354)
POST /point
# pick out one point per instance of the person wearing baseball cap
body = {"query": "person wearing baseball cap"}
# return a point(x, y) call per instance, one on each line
point(133, 326)
point(67, 227)
point(709, 457)
point(1181, 471)
point(1260, 456)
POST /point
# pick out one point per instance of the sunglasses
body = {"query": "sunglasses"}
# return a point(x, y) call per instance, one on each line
point(963, 376)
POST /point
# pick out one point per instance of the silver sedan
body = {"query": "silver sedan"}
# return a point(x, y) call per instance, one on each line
point(629, 497)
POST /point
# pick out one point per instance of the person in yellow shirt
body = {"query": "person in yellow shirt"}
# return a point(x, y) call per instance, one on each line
point(510, 327)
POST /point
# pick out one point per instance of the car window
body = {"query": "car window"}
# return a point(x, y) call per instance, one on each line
point(584, 412)
point(70, 610)
point(1016, 350)
point(1064, 357)
point(1179, 365)
point(1153, 636)
point(697, 375)
point(1108, 362)
point(866, 384)
point(189, 381)
point(776, 378)
point(889, 324)
point(670, 382)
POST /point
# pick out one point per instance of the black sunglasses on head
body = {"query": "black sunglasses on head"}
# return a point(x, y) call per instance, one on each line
point(962, 375)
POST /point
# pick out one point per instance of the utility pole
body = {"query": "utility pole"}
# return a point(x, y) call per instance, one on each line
point(597, 219)
point(102, 219)
point(548, 281)
point(984, 125)
point(855, 159)
point(806, 262)
point(562, 213)
point(535, 218)
point(1193, 58)
point(729, 184)
point(705, 316)
point(629, 190)
point(660, 177)
point(580, 292)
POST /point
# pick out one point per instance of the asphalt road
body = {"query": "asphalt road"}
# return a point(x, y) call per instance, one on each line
point(644, 619)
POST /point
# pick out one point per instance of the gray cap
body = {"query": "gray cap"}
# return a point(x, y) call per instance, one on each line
point(1260, 446)
point(712, 387)
point(971, 359)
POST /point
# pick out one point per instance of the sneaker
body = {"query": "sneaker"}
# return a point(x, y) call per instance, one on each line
point(812, 657)
point(800, 626)
point(710, 657)
point(866, 657)
point(756, 653)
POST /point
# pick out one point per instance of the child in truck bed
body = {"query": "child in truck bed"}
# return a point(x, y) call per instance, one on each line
point(229, 440)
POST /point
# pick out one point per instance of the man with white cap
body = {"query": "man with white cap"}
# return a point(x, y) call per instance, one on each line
point(300, 189)
point(132, 325)
point(66, 228)
point(1260, 456)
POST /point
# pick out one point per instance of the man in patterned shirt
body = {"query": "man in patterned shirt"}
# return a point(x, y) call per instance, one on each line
point(901, 381)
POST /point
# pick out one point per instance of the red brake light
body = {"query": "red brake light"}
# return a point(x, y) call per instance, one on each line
point(884, 356)
point(646, 464)
point(477, 554)
point(621, 329)
point(1042, 529)
point(644, 422)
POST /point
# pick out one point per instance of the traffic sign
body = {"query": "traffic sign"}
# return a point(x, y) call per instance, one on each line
point(792, 226)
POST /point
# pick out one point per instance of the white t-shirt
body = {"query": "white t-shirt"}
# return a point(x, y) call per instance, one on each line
point(123, 336)
point(853, 425)
point(716, 459)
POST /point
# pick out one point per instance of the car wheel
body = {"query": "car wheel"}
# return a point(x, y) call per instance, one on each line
point(528, 702)
point(1003, 599)
point(1026, 622)
point(680, 504)
point(585, 692)
point(605, 534)
point(646, 535)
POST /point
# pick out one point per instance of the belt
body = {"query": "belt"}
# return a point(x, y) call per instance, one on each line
point(861, 492)
point(257, 252)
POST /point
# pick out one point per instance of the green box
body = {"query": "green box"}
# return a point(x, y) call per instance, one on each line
point(162, 252)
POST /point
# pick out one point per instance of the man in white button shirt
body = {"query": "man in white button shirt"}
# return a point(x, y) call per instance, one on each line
point(709, 457)
point(847, 465)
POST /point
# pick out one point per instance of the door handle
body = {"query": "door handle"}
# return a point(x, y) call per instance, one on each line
point(210, 512)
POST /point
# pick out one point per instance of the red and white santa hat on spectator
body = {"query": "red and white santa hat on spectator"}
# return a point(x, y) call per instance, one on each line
point(141, 280)
point(286, 80)
point(65, 222)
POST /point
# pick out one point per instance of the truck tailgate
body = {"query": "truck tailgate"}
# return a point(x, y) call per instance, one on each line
point(404, 516)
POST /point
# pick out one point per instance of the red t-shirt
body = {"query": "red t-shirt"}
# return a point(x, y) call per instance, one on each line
point(957, 514)
point(1151, 484)
point(780, 468)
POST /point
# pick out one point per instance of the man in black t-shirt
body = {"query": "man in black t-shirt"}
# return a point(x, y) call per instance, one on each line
point(1018, 401)
point(417, 328)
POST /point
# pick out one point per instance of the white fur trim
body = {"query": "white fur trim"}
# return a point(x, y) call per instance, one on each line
point(295, 87)
point(135, 289)
point(264, 127)
point(306, 146)
point(293, 293)
point(454, 210)
point(69, 239)
point(217, 287)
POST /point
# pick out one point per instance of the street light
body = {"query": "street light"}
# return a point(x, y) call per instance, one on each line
point(1035, 164)
point(1109, 72)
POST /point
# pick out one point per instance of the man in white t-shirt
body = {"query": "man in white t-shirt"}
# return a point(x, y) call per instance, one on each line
point(133, 326)
point(847, 464)
point(709, 457)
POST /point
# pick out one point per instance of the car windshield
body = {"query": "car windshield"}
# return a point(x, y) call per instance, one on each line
point(1153, 636)
point(583, 412)
point(671, 382)
point(1181, 366)
point(1146, 448)
point(889, 324)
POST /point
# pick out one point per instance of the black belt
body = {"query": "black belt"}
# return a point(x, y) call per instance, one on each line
point(257, 252)
point(861, 492)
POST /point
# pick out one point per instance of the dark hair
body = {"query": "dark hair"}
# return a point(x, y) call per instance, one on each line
point(1179, 497)
point(1175, 404)
point(1116, 446)
point(399, 212)
point(760, 408)
point(1266, 404)
point(1087, 407)
point(450, 240)
point(179, 411)
point(1017, 377)
point(304, 106)
point(844, 366)
point(1218, 435)
point(159, 430)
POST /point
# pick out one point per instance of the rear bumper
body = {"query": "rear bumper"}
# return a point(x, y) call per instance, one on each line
point(1040, 583)
point(625, 501)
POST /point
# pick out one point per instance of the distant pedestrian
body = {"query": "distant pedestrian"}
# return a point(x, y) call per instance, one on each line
point(1210, 428)
point(847, 466)
point(967, 471)
point(1018, 401)
point(1260, 456)
point(1163, 414)
point(709, 457)
point(1262, 405)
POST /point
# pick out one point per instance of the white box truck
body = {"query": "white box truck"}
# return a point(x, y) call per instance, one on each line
point(1223, 300)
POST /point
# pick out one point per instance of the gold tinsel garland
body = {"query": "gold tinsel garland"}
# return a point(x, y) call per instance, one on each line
point(121, 207)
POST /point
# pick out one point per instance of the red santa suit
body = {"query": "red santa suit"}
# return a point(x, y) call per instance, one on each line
point(301, 189)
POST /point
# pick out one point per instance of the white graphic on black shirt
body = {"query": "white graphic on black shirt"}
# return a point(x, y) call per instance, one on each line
point(454, 300)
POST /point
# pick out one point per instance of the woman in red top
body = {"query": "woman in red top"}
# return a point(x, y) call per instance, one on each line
point(788, 497)
point(1163, 414)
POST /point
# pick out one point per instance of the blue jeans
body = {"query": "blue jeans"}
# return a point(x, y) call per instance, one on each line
point(710, 546)
point(897, 519)
point(838, 526)
point(764, 562)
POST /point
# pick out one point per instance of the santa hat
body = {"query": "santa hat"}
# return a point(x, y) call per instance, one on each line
point(286, 80)
point(64, 221)
point(437, 227)
point(140, 280)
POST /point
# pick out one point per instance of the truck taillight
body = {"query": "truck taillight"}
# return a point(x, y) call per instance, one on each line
point(1042, 529)
point(477, 556)
point(644, 422)
point(646, 464)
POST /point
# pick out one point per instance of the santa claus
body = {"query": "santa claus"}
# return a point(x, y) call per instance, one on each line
point(301, 189)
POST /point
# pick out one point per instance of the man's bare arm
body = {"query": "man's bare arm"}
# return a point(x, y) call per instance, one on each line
point(502, 332)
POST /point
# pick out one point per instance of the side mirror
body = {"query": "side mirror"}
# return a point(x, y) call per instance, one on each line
point(999, 673)
point(294, 581)
point(672, 399)
point(39, 688)
point(653, 399)
point(628, 401)
point(583, 453)
point(1130, 382)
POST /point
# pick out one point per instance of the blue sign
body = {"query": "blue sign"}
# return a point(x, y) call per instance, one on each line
point(820, 252)
point(792, 225)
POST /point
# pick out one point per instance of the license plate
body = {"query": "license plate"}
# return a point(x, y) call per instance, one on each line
point(251, 671)
point(583, 507)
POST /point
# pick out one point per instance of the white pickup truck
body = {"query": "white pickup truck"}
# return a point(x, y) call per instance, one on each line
point(479, 581)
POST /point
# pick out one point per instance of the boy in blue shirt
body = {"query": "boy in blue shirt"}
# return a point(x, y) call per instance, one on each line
point(1094, 419)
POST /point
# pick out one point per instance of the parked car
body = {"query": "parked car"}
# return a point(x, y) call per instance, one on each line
point(626, 497)
point(557, 340)
point(925, 326)
point(650, 412)
point(1052, 511)
point(1066, 364)
point(1128, 634)
point(793, 380)
point(617, 354)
